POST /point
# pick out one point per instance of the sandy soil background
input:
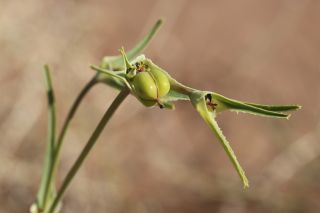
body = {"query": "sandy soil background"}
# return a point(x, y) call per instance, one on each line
point(152, 160)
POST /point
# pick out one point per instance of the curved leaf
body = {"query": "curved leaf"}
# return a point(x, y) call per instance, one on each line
point(225, 103)
point(112, 62)
point(198, 100)
point(275, 108)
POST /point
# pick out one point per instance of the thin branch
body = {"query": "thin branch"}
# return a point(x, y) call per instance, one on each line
point(74, 169)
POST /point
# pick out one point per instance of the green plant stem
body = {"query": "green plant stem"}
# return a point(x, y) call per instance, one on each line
point(45, 180)
point(56, 155)
point(104, 120)
point(71, 113)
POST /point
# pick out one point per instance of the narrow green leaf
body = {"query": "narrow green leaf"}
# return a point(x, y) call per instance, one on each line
point(112, 62)
point(199, 102)
point(114, 79)
point(46, 188)
point(238, 106)
point(125, 59)
point(275, 108)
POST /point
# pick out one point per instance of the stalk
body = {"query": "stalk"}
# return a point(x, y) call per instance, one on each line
point(92, 140)
point(51, 172)
point(46, 187)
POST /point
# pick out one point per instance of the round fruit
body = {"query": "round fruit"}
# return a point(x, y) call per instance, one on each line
point(160, 78)
point(148, 103)
point(145, 86)
point(149, 82)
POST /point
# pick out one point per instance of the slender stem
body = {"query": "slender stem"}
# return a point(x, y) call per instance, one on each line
point(56, 154)
point(72, 111)
point(45, 180)
point(106, 117)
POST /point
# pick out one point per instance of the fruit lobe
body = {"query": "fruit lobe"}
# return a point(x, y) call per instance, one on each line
point(150, 82)
point(144, 86)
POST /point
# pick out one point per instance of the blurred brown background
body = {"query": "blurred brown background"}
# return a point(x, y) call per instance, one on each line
point(152, 160)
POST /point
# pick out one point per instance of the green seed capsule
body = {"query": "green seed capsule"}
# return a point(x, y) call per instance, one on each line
point(145, 86)
point(148, 103)
point(149, 82)
point(160, 78)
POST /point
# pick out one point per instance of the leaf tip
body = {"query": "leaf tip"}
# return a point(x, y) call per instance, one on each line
point(92, 66)
point(243, 177)
point(159, 22)
point(46, 67)
point(288, 116)
point(125, 58)
point(245, 183)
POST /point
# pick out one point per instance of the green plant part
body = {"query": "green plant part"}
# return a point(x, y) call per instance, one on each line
point(152, 86)
point(160, 78)
point(145, 88)
point(208, 104)
point(148, 81)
